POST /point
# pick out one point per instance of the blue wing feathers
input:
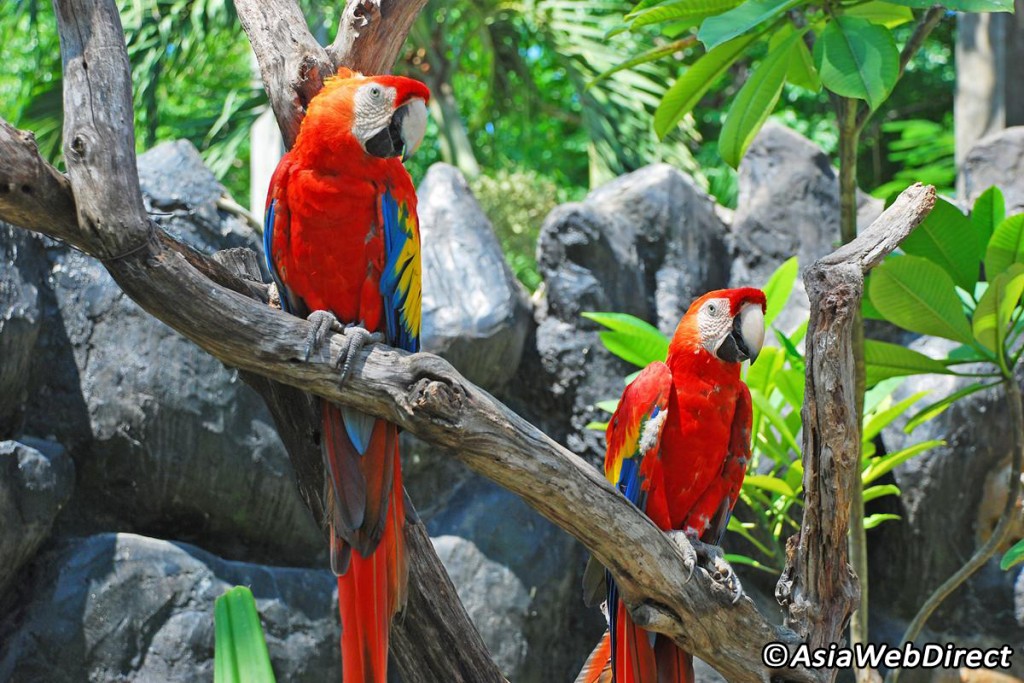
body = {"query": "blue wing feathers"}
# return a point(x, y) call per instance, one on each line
point(396, 235)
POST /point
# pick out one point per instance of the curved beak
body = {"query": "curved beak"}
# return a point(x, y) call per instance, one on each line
point(746, 338)
point(403, 135)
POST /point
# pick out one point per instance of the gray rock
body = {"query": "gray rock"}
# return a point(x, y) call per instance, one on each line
point(788, 204)
point(475, 312)
point(130, 608)
point(997, 159)
point(496, 600)
point(22, 265)
point(166, 440)
point(34, 485)
point(948, 507)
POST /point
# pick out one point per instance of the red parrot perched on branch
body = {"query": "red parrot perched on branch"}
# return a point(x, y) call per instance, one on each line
point(343, 245)
point(677, 447)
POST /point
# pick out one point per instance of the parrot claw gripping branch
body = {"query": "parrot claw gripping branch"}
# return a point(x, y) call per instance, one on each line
point(97, 208)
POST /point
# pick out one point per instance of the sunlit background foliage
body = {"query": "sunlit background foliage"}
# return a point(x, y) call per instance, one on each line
point(515, 106)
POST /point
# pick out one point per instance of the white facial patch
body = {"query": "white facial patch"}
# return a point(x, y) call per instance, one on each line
point(374, 104)
point(714, 323)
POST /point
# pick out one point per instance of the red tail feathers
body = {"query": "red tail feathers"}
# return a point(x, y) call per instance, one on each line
point(635, 659)
point(370, 593)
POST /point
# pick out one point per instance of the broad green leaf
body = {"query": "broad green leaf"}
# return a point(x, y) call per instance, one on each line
point(761, 374)
point(791, 385)
point(754, 102)
point(883, 360)
point(931, 411)
point(962, 5)
point(1015, 555)
point(778, 288)
point(946, 238)
point(240, 651)
point(988, 212)
point(801, 64)
point(879, 490)
point(856, 58)
point(874, 396)
point(769, 483)
point(751, 14)
point(597, 426)
point(651, 55)
point(877, 421)
point(992, 316)
point(1006, 246)
point(885, 464)
point(871, 521)
point(887, 14)
point(686, 92)
point(607, 406)
point(776, 419)
point(917, 295)
point(679, 10)
point(630, 338)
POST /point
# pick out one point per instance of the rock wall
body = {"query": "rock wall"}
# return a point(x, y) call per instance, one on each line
point(140, 466)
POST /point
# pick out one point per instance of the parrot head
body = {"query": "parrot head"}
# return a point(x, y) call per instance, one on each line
point(386, 116)
point(726, 323)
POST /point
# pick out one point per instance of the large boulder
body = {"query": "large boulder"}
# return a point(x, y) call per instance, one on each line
point(997, 159)
point(35, 482)
point(788, 205)
point(124, 607)
point(166, 440)
point(495, 598)
point(475, 312)
point(22, 268)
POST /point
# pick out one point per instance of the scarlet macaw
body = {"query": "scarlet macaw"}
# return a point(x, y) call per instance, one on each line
point(677, 447)
point(343, 244)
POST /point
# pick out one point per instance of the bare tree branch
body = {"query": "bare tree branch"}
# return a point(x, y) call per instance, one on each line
point(818, 585)
point(372, 32)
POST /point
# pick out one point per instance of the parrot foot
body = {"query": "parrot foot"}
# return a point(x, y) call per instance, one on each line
point(356, 338)
point(353, 342)
point(711, 559)
point(322, 323)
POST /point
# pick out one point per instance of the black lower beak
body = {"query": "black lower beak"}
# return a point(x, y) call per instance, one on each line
point(388, 142)
point(733, 349)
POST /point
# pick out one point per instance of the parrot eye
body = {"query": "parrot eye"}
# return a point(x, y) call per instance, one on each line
point(712, 309)
point(375, 92)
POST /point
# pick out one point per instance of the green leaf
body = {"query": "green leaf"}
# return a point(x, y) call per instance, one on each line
point(769, 483)
point(917, 295)
point(856, 58)
point(754, 102)
point(871, 521)
point(1014, 555)
point(1006, 246)
point(775, 418)
point(885, 464)
point(988, 212)
point(733, 558)
point(946, 238)
point(874, 396)
point(645, 57)
point(791, 384)
point(930, 411)
point(962, 5)
point(883, 360)
point(240, 651)
point(686, 92)
point(801, 64)
point(630, 338)
point(679, 10)
point(607, 406)
point(753, 13)
point(597, 426)
point(879, 490)
point(778, 288)
point(877, 421)
point(992, 316)
point(887, 14)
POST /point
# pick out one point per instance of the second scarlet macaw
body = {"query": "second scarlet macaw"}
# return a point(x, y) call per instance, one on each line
point(343, 244)
point(677, 447)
